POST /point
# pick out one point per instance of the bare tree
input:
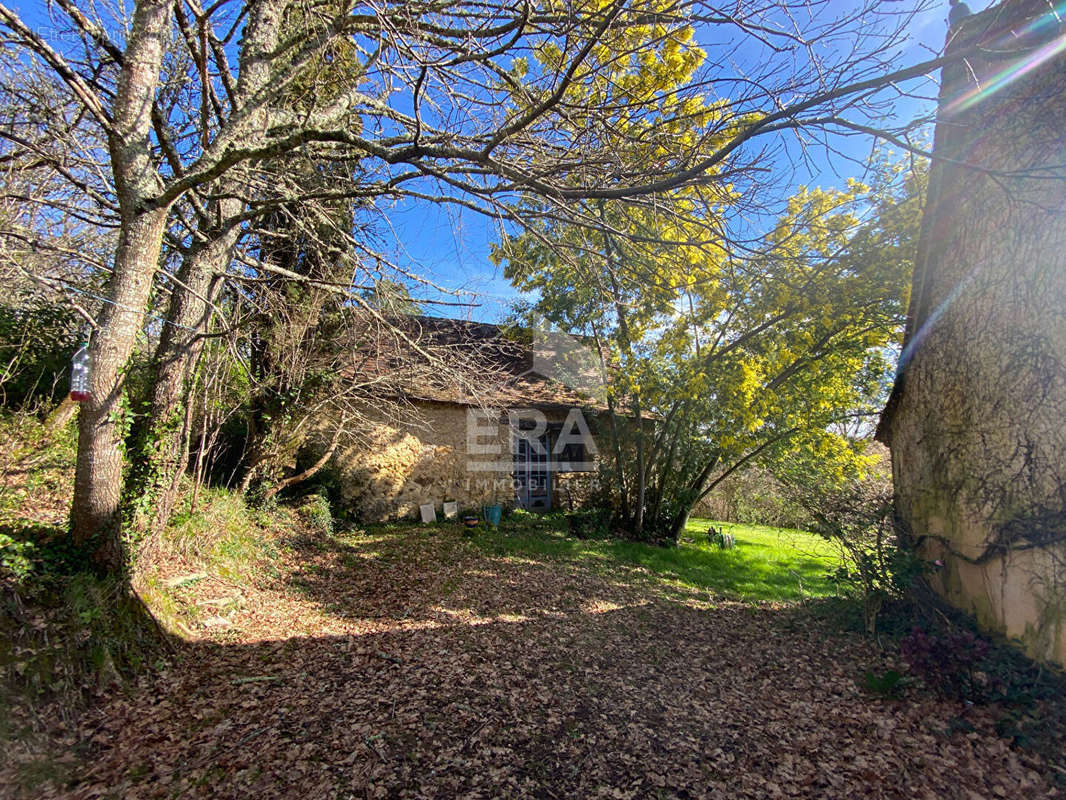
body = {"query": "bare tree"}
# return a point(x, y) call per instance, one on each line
point(447, 107)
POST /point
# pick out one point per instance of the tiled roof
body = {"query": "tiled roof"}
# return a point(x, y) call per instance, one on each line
point(482, 364)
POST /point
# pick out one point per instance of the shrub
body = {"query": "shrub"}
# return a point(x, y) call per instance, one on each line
point(753, 496)
point(16, 562)
point(316, 512)
point(32, 553)
point(590, 524)
point(856, 513)
point(37, 340)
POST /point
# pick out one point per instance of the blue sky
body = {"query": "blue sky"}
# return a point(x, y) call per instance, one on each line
point(450, 245)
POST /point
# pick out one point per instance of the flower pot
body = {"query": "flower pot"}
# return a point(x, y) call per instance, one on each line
point(492, 514)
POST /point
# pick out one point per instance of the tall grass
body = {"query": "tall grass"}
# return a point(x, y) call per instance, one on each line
point(226, 537)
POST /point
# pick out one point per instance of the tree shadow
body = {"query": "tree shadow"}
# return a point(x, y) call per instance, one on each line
point(651, 699)
point(435, 574)
point(459, 674)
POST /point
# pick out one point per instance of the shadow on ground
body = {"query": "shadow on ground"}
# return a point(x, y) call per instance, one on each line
point(474, 676)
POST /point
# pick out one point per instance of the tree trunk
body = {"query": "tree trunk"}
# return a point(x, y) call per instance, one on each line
point(163, 447)
point(98, 474)
point(679, 523)
point(152, 491)
point(626, 350)
point(95, 519)
point(642, 473)
point(619, 460)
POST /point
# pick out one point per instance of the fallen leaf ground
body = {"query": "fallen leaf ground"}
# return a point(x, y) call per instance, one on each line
point(411, 664)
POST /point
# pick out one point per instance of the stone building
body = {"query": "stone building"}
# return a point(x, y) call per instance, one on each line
point(511, 435)
point(977, 418)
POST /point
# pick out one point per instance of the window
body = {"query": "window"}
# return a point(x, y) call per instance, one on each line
point(571, 457)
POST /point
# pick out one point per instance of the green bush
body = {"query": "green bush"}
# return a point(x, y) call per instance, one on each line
point(37, 341)
point(16, 558)
point(753, 496)
point(856, 514)
point(32, 552)
point(315, 511)
point(590, 524)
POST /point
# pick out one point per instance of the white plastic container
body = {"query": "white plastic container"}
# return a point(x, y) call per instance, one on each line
point(80, 367)
point(429, 512)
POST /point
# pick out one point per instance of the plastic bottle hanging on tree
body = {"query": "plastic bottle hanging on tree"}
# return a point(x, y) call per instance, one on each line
point(79, 374)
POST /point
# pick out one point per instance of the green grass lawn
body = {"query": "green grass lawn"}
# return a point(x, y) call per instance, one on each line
point(766, 564)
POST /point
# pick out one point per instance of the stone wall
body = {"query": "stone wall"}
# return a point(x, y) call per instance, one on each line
point(977, 419)
point(428, 458)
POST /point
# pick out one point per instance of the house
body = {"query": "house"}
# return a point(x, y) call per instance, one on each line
point(501, 426)
point(975, 419)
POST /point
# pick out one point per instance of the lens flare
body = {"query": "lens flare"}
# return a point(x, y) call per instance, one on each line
point(1019, 67)
point(920, 334)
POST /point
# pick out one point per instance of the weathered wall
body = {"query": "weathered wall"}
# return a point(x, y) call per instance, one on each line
point(427, 459)
point(977, 420)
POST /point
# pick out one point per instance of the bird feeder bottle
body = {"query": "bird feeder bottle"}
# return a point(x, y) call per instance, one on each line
point(80, 367)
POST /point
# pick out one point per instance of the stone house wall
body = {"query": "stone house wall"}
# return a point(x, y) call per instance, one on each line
point(432, 457)
point(977, 419)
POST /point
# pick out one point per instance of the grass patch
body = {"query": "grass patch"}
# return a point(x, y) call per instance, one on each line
point(227, 538)
point(36, 469)
point(221, 539)
point(767, 564)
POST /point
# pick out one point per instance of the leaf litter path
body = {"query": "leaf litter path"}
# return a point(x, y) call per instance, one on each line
point(413, 665)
